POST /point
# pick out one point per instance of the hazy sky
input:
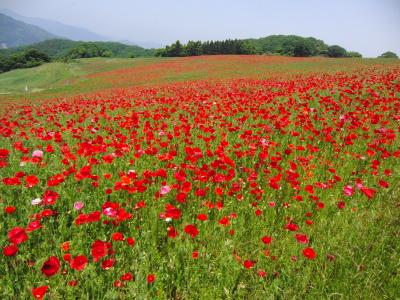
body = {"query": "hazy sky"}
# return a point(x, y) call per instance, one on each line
point(367, 26)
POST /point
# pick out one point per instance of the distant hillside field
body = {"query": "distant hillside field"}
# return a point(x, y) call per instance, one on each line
point(59, 79)
point(15, 33)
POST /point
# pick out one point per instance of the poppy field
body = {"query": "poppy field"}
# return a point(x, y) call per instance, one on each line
point(219, 184)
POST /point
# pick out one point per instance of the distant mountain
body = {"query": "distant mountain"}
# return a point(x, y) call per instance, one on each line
point(59, 29)
point(58, 48)
point(16, 33)
point(73, 32)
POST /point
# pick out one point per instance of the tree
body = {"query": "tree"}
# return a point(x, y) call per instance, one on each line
point(5, 64)
point(388, 54)
point(302, 49)
point(29, 58)
point(353, 54)
point(193, 48)
point(25, 59)
point(336, 51)
point(175, 50)
point(88, 50)
point(161, 52)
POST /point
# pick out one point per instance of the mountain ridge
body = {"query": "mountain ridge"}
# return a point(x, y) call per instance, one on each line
point(15, 33)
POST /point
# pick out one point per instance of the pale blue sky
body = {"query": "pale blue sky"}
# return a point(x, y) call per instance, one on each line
point(367, 26)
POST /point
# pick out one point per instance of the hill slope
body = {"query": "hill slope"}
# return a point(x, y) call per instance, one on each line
point(16, 33)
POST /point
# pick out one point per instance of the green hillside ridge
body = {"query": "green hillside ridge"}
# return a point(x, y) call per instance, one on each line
point(59, 48)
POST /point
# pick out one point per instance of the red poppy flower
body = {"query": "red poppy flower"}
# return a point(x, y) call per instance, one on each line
point(10, 250)
point(10, 209)
point(224, 221)
point(309, 253)
point(99, 250)
point(171, 212)
point(107, 264)
point(4, 153)
point(17, 235)
point(341, 204)
point(151, 278)
point(301, 238)
point(118, 236)
point(292, 226)
point(266, 239)
point(31, 181)
point(383, 184)
point(67, 257)
point(49, 197)
point(195, 254)
point(127, 277)
point(172, 232)
point(65, 246)
point(34, 225)
point(79, 262)
point(368, 192)
point(261, 273)
point(191, 230)
point(202, 217)
point(73, 283)
point(118, 284)
point(39, 292)
point(131, 241)
point(248, 264)
point(51, 266)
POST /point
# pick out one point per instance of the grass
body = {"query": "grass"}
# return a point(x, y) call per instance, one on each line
point(47, 76)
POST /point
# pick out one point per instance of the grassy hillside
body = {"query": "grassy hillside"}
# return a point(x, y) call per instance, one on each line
point(36, 79)
point(57, 48)
point(58, 78)
point(16, 33)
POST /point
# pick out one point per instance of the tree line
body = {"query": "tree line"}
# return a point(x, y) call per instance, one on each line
point(273, 45)
point(195, 48)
